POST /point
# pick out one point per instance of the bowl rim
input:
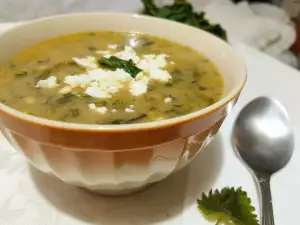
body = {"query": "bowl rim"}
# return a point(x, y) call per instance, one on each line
point(124, 127)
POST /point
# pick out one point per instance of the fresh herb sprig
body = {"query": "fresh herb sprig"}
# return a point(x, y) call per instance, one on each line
point(114, 62)
point(182, 11)
point(228, 206)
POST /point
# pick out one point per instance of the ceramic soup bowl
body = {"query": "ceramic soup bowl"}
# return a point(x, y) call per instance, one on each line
point(118, 159)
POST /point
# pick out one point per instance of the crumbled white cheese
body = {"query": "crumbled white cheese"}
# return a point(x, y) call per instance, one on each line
point(113, 89)
point(153, 65)
point(50, 82)
point(114, 46)
point(81, 80)
point(89, 62)
point(100, 83)
point(113, 110)
point(92, 106)
point(106, 83)
point(109, 76)
point(97, 92)
point(168, 100)
point(160, 75)
point(127, 54)
point(101, 109)
point(152, 61)
point(129, 110)
point(65, 90)
point(139, 87)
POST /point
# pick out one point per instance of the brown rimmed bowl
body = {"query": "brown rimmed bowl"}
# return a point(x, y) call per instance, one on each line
point(118, 159)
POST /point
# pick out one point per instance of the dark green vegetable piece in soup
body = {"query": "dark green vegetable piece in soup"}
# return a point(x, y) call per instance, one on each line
point(126, 65)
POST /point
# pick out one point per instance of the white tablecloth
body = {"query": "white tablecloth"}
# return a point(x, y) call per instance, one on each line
point(28, 197)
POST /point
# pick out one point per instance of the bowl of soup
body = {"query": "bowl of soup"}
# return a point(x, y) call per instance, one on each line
point(114, 102)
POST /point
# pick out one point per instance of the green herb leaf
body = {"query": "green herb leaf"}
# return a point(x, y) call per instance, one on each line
point(21, 74)
point(12, 65)
point(182, 11)
point(229, 206)
point(75, 112)
point(44, 75)
point(66, 98)
point(132, 120)
point(114, 62)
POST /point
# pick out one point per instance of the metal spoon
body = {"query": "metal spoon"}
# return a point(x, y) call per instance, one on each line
point(264, 139)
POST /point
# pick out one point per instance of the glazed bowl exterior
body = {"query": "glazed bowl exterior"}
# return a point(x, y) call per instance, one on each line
point(118, 159)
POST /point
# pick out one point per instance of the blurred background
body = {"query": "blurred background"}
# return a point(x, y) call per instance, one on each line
point(271, 26)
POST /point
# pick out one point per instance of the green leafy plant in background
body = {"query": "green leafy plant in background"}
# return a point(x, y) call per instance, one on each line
point(228, 206)
point(182, 11)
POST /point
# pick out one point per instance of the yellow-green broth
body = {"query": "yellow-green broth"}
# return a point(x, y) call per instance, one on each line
point(196, 83)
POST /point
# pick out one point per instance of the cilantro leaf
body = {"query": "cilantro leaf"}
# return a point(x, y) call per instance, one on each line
point(229, 206)
point(182, 11)
point(114, 62)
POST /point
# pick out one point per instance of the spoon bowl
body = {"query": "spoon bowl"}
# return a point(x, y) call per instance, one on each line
point(263, 138)
point(263, 135)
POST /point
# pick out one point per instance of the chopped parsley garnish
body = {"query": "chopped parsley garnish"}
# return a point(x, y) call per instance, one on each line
point(66, 98)
point(228, 206)
point(182, 11)
point(44, 74)
point(114, 62)
point(21, 74)
point(75, 112)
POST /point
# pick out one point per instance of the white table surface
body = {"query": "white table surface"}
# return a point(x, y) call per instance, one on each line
point(28, 197)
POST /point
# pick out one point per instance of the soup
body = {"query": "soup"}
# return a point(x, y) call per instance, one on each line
point(97, 78)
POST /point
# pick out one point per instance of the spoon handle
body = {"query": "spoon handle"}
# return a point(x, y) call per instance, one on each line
point(266, 198)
